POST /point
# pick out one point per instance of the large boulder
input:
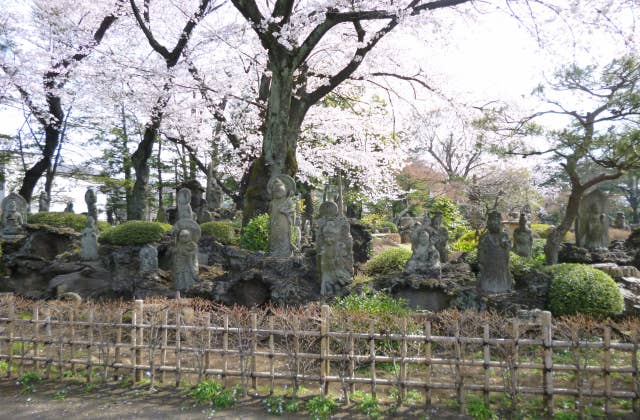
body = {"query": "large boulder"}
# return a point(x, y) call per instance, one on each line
point(92, 281)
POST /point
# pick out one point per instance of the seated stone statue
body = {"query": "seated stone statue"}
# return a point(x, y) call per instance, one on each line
point(13, 220)
point(425, 259)
point(493, 257)
point(523, 238)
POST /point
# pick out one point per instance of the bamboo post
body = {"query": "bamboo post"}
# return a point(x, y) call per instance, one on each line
point(577, 375)
point(403, 360)
point(515, 380)
point(207, 353)
point(163, 348)
point(139, 332)
point(547, 334)
point(457, 368)
point(36, 333)
point(89, 345)
point(254, 349)
point(225, 348)
point(178, 346)
point(607, 370)
point(372, 355)
point(134, 343)
point(272, 351)
point(352, 362)
point(296, 360)
point(48, 343)
point(324, 349)
point(12, 317)
point(116, 353)
point(486, 363)
point(72, 334)
point(634, 375)
point(427, 361)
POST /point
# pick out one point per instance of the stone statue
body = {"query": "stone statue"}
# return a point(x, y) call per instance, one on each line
point(281, 209)
point(69, 207)
point(523, 238)
point(213, 193)
point(620, 221)
point(592, 225)
point(425, 260)
point(440, 236)
point(43, 202)
point(187, 234)
point(14, 214)
point(148, 259)
point(89, 241)
point(493, 257)
point(91, 200)
point(306, 235)
point(334, 246)
point(405, 224)
point(297, 232)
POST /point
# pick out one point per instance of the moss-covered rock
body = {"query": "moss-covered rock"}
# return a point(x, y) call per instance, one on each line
point(579, 288)
point(134, 232)
point(223, 232)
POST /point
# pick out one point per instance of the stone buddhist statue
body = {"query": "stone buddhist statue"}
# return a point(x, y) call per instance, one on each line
point(297, 232)
point(148, 257)
point(43, 202)
point(493, 257)
point(440, 236)
point(187, 233)
point(425, 260)
point(214, 193)
point(523, 238)
point(89, 241)
point(620, 221)
point(306, 234)
point(592, 225)
point(69, 207)
point(281, 213)
point(334, 246)
point(14, 214)
point(90, 199)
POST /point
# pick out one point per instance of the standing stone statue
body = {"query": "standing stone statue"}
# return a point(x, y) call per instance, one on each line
point(425, 260)
point(523, 238)
point(405, 225)
point(493, 257)
point(91, 200)
point(297, 231)
point(592, 225)
point(43, 202)
point(214, 193)
point(334, 246)
point(620, 221)
point(148, 257)
point(187, 234)
point(89, 241)
point(281, 209)
point(69, 207)
point(306, 235)
point(14, 214)
point(440, 236)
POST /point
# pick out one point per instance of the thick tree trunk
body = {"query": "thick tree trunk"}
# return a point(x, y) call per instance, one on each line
point(51, 141)
point(554, 241)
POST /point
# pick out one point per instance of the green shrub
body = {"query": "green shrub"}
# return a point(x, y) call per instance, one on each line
point(211, 392)
point(380, 221)
point(452, 218)
point(134, 232)
point(471, 258)
point(74, 221)
point(320, 407)
point(579, 288)
point(388, 261)
point(255, 236)
point(467, 242)
point(521, 266)
point(223, 232)
point(542, 230)
point(478, 409)
point(373, 303)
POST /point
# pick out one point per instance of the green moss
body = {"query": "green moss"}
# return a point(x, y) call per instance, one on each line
point(74, 221)
point(255, 236)
point(388, 261)
point(223, 232)
point(134, 232)
point(579, 288)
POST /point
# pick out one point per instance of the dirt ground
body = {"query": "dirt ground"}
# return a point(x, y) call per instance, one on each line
point(74, 400)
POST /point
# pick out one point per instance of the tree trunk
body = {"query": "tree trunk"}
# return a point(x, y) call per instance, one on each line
point(552, 246)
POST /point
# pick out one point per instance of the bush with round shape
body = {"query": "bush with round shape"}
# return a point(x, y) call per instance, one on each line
point(255, 236)
point(134, 232)
point(467, 242)
point(74, 221)
point(580, 288)
point(388, 261)
point(379, 221)
point(521, 266)
point(223, 232)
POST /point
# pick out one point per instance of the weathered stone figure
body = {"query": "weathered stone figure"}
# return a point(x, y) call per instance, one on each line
point(306, 235)
point(334, 246)
point(425, 259)
point(89, 241)
point(281, 209)
point(43, 202)
point(297, 232)
point(214, 193)
point(493, 257)
point(620, 221)
point(405, 225)
point(187, 233)
point(69, 207)
point(14, 214)
point(148, 259)
point(91, 200)
point(440, 236)
point(592, 226)
point(523, 238)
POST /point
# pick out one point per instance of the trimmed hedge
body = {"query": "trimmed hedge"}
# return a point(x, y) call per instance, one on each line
point(223, 232)
point(255, 236)
point(74, 221)
point(388, 261)
point(134, 232)
point(580, 288)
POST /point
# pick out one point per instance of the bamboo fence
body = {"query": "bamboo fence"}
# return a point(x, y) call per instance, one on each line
point(170, 340)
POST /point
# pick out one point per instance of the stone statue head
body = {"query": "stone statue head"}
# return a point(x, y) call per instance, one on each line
point(494, 222)
point(11, 207)
point(90, 196)
point(184, 236)
point(522, 222)
point(436, 221)
point(281, 186)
